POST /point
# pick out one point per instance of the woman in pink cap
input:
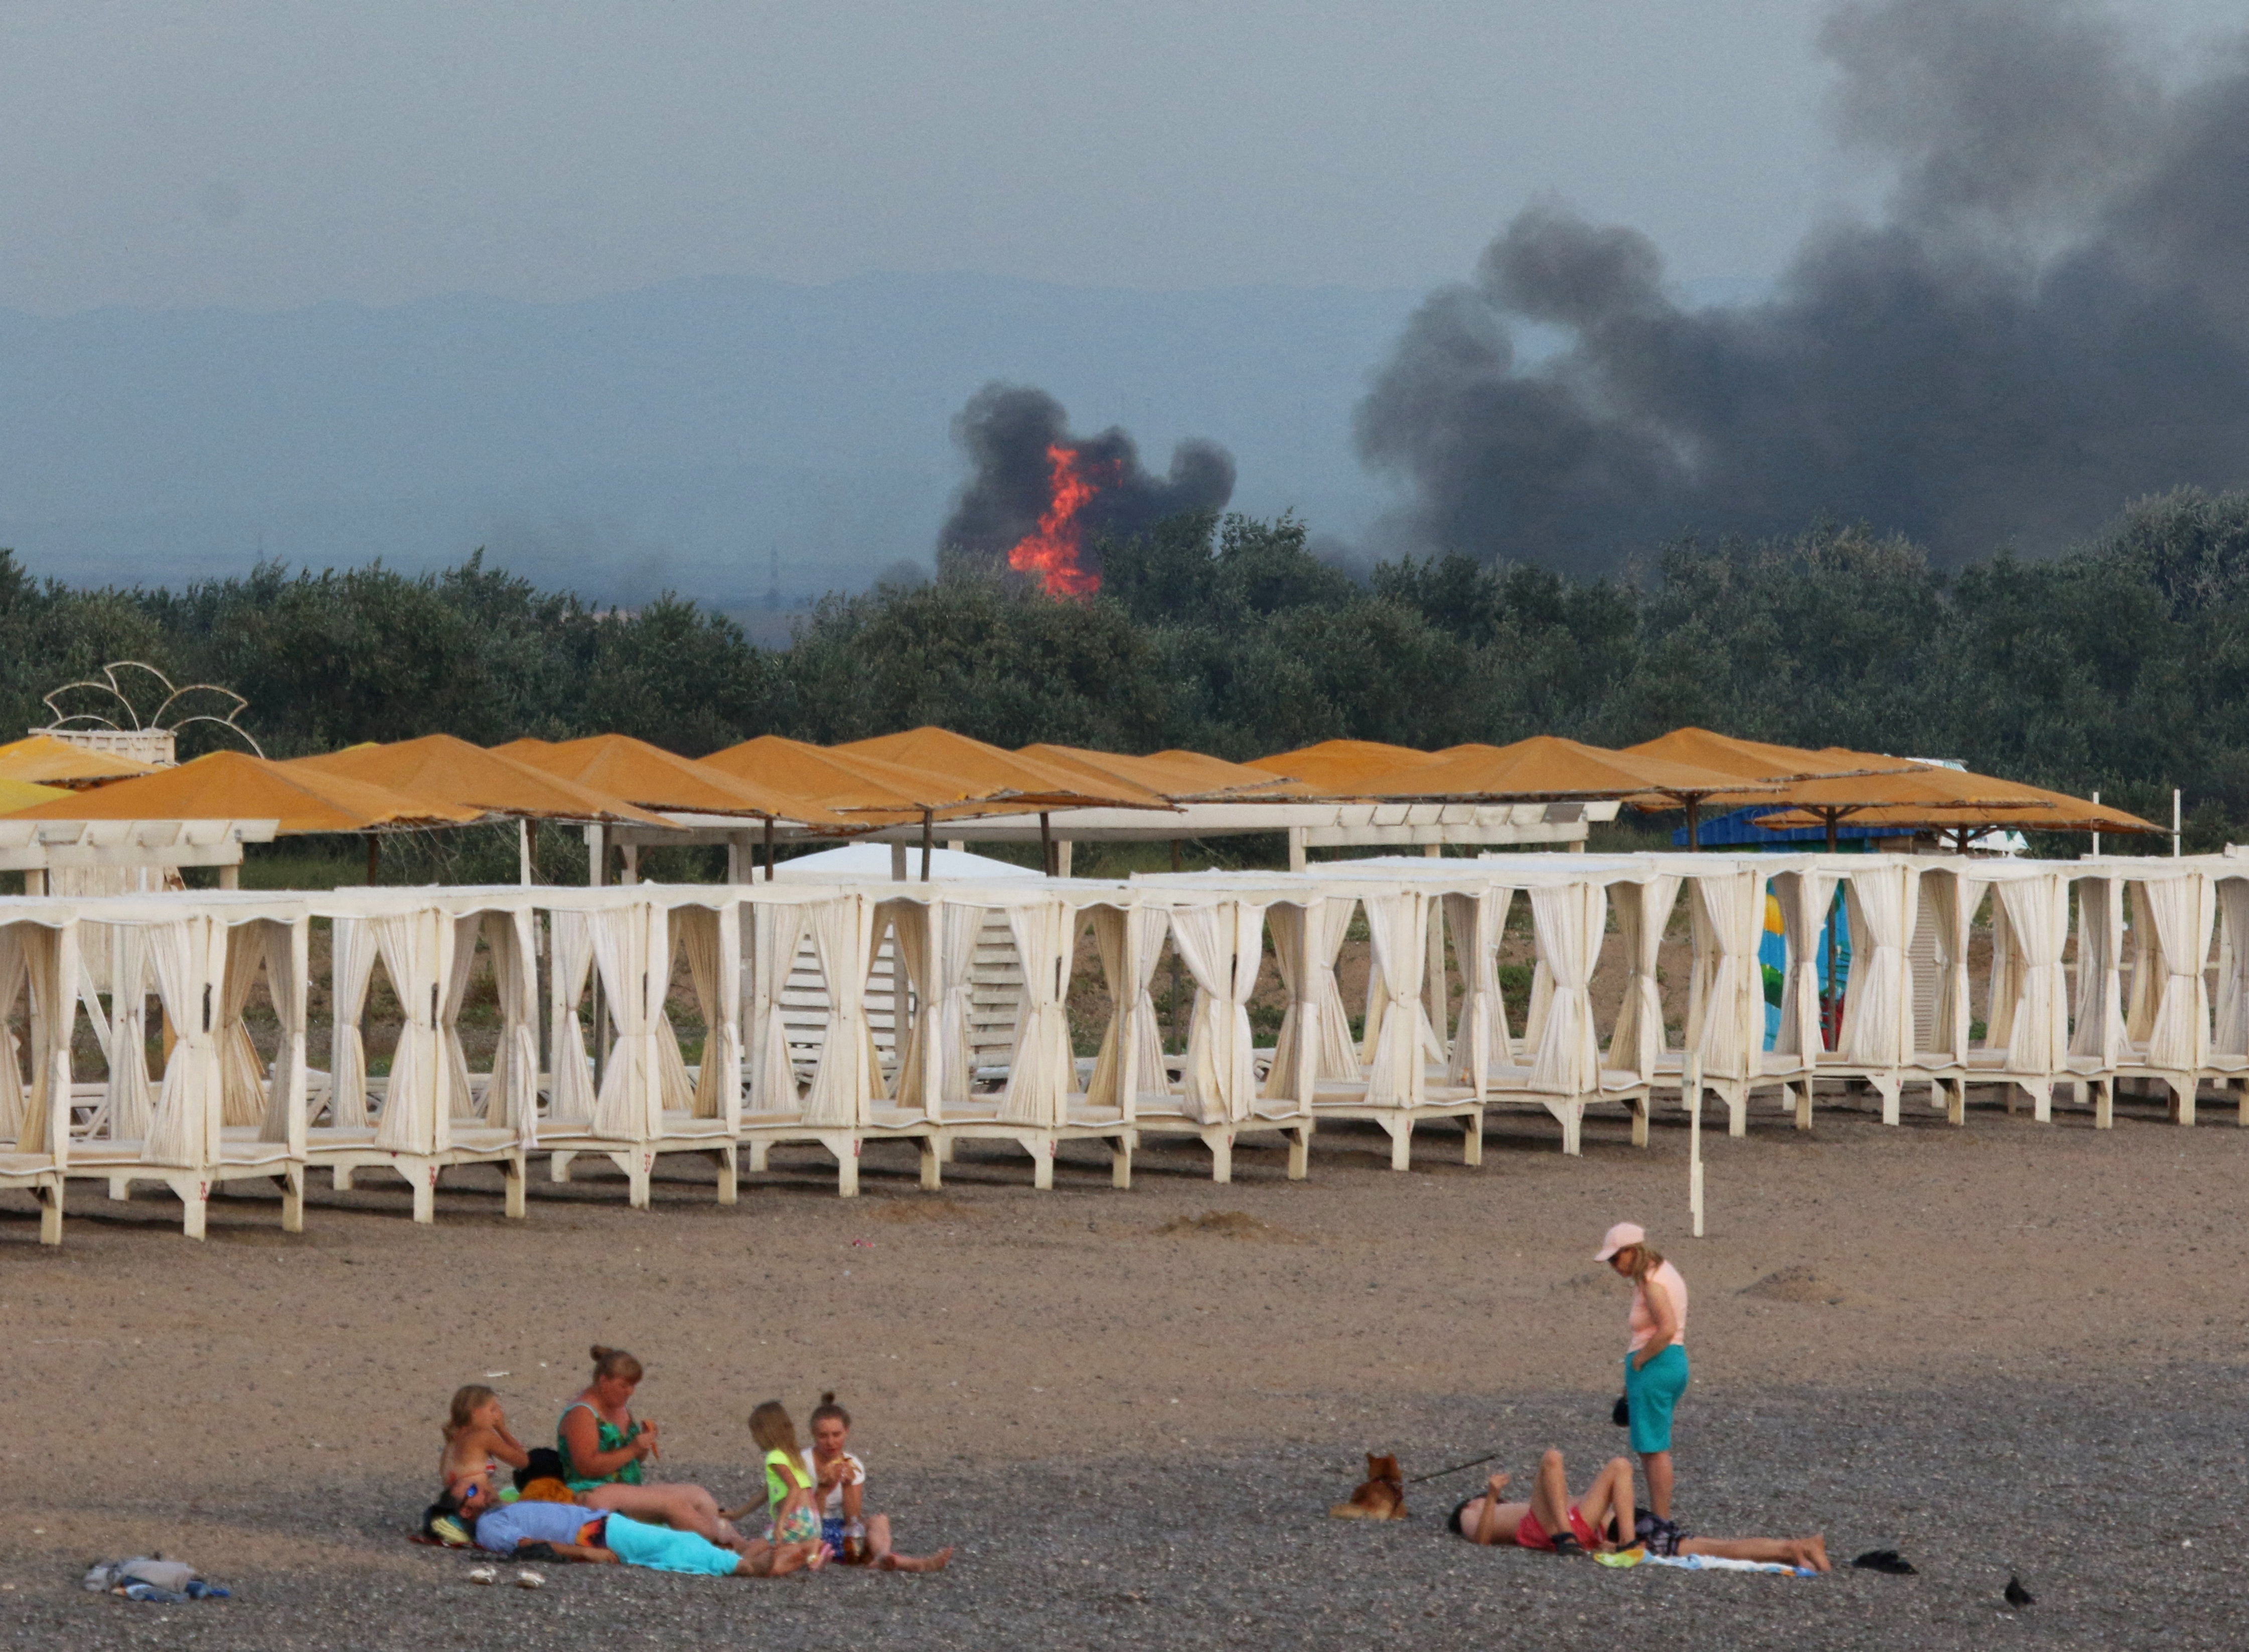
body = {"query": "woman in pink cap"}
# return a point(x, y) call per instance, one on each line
point(1656, 1364)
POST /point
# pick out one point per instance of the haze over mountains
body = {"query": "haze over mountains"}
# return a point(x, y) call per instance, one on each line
point(678, 437)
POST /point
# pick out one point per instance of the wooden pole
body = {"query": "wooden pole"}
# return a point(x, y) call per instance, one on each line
point(2096, 830)
point(523, 855)
point(769, 848)
point(928, 839)
point(374, 857)
point(1693, 821)
point(1691, 1076)
point(1046, 844)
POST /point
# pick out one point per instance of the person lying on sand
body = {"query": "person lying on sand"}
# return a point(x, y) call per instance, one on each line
point(1601, 1519)
point(533, 1530)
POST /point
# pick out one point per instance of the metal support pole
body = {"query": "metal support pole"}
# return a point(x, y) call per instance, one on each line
point(1691, 1076)
point(2096, 830)
point(928, 833)
point(1046, 844)
point(2175, 822)
point(374, 857)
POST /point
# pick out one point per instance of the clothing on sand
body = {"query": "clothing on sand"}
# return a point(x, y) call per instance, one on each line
point(1529, 1534)
point(531, 1521)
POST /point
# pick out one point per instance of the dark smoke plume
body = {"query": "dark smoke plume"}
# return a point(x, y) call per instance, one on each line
point(2049, 318)
point(1006, 430)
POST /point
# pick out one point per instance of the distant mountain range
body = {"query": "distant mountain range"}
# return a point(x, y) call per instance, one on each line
point(689, 436)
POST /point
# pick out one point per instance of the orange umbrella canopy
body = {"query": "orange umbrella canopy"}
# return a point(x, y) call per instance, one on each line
point(235, 786)
point(840, 779)
point(1544, 768)
point(1981, 802)
point(1185, 777)
point(1752, 760)
point(45, 760)
point(1929, 785)
point(998, 776)
point(654, 778)
point(1340, 767)
point(452, 771)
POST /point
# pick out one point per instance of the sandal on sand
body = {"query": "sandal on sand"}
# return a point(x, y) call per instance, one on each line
point(1566, 1546)
point(485, 1574)
point(530, 1581)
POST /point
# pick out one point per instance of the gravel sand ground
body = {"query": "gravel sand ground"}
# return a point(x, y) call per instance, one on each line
point(2009, 1348)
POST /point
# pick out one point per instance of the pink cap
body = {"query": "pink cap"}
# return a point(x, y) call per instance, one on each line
point(1625, 1233)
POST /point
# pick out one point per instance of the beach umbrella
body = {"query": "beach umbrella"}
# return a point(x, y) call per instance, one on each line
point(45, 760)
point(235, 786)
point(1339, 767)
point(874, 790)
point(1750, 760)
point(653, 778)
point(22, 794)
point(1830, 802)
point(1544, 768)
point(452, 771)
point(2002, 804)
point(1184, 777)
point(998, 776)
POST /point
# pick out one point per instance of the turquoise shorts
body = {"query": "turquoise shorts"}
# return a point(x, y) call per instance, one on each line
point(1652, 1390)
point(661, 1549)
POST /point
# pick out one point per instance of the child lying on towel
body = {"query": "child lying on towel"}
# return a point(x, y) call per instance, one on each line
point(1601, 1520)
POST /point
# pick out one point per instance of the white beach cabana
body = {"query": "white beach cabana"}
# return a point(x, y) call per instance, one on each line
point(216, 1111)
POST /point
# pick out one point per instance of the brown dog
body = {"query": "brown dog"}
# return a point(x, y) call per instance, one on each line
point(1383, 1496)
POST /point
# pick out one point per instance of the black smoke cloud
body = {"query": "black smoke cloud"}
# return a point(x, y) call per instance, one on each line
point(2050, 318)
point(1005, 432)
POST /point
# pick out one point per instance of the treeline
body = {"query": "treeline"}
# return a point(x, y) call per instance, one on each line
point(2123, 666)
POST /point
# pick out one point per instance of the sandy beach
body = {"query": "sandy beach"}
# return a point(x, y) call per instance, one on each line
point(2004, 1347)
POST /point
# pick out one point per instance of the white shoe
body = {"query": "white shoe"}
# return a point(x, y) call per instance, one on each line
point(485, 1574)
point(528, 1580)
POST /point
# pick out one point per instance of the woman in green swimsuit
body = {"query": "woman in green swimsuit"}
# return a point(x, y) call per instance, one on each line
point(604, 1447)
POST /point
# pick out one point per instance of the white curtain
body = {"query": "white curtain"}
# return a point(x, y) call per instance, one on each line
point(181, 1131)
point(2100, 1006)
point(1569, 919)
point(958, 925)
point(1952, 902)
point(460, 1094)
point(1481, 1039)
point(844, 1085)
point(1039, 1074)
point(571, 1102)
point(1643, 913)
point(351, 973)
point(912, 1021)
point(777, 930)
point(1326, 927)
point(698, 931)
point(132, 1097)
point(13, 1096)
point(242, 1074)
point(1803, 898)
point(2145, 988)
point(288, 991)
point(1395, 1074)
point(2004, 991)
point(2179, 910)
point(417, 948)
point(50, 969)
point(2232, 1032)
point(1131, 942)
point(628, 1105)
point(1221, 944)
point(1884, 901)
point(1733, 916)
point(511, 1094)
point(2038, 1040)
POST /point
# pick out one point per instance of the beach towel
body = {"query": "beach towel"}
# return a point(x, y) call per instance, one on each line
point(1700, 1563)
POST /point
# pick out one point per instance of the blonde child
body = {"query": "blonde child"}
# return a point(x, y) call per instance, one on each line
point(477, 1442)
point(790, 1507)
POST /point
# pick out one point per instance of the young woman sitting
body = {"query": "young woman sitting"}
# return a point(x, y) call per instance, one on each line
point(840, 1492)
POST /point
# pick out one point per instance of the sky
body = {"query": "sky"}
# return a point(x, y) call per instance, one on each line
point(269, 156)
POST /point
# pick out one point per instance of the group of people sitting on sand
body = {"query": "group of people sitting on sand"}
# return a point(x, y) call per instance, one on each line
point(590, 1497)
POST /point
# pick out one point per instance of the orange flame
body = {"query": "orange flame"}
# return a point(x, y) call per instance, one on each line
point(1053, 549)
